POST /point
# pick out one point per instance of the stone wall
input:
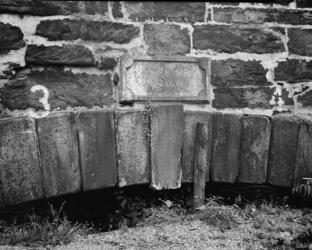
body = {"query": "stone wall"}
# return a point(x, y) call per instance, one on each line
point(65, 55)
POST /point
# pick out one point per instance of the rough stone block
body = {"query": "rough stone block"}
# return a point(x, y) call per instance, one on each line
point(74, 55)
point(59, 154)
point(283, 150)
point(65, 89)
point(242, 97)
point(226, 136)
point(167, 124)
point(191, 118)
point(304, 4)
point(232, 72)
point(166, 39)
point(97, 31)
point(11, 38)
point(133, 147)
point(305, 99)
point(293, 71)
point(96, 140)
point(254, 152)
point(165, 79)
point(20, 173)
point(171, 11)
point(231, 39)
point(300, 41)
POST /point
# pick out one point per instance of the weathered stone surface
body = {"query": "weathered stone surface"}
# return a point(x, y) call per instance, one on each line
point(11, 37)
point(117, 9)
point(20, 173)
point(167, 39)
point(304, 3)
point(97, 31)
point(300, 41)
point(287, 98)
point(254, 152)
point(47, 7)
point(305, 99)
point(260, 16)
point(242, 97)
point(303, 165)
point(133, 147)
point(171, 11)
point(167, 124)
point(191, 118)
point(74, 55)
point(96, 138)
point(232, 72)
point(65, 89)
point(231, 39)
point(107, 63)
point(226, 136)
point(283, 150)
point(294, 71)
point(165, 79)
point(59, 154)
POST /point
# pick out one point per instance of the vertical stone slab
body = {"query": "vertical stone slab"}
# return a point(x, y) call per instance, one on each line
point(59, 154)
point(167, 124)
point(96, 141)
point(191, 118)
point(20, 174)
point(133, 150)
point(283, 150)
point(226, 134)
point(254, 153)
point(303, 164)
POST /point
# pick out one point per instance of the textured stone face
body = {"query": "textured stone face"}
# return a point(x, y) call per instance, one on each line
point(242, 97)
point(166, 39)
point(11, 37)
point(231, 39)
point(300, 41)
point(171, 11)
point(74, 55)
point(260, 16)
point(97, 31)
point(304, 3)
point(231, 72)
point(65, 89)
point(305, 99)
point(294, 71)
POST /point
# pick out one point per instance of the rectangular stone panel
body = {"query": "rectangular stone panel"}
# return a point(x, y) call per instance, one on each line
point(96, 140)
point(191, 118)
point(167, 124)
point(59, 154)
point(226, 134)
point(283, 150)
point(133, 146)
point(20, 173)
point(254, 153)
point(165, 79)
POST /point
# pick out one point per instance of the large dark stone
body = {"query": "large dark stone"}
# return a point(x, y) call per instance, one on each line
point(65, 89)
point(304, 3)
point(294, 71)
point(74, 55)
point(231, 39)
point(171, 11)
point(305, 99)
point(166, 39)
point(260, 16)
point(11, 37)
point(97, 31)
point(300, 41)
point(47, 8)
point(231, 72)
point(242, 97)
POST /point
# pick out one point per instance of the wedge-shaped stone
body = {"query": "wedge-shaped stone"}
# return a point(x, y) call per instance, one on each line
point(191, 118)
point(226, 134)
point(59, 154)
point(97, 152)
point(254, 152)
point(133, 150)
point(283, 150)
point(167, 124)
point(20, 174)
